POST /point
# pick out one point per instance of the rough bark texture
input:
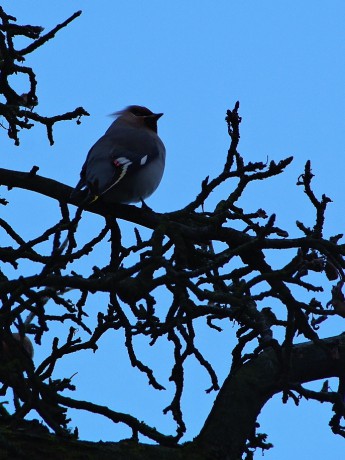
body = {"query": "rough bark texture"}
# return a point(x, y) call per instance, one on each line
point(244, 394)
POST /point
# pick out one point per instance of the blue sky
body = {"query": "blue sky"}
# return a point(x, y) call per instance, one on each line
point(284, 62)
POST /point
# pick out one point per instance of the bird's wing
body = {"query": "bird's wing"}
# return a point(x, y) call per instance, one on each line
point(109, 163)
point(125, 163)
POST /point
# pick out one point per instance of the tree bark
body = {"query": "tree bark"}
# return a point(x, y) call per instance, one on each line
point(244, 393)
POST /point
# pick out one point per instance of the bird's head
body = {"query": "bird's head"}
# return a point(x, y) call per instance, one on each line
point(139, 116)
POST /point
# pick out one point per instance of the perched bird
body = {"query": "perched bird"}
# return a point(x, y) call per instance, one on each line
point(126, 164)
point(24, 343)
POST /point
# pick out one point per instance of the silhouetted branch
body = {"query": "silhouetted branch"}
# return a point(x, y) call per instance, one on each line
point(11, 60)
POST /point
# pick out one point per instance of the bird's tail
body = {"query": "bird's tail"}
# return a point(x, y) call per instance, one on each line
point(82, 195)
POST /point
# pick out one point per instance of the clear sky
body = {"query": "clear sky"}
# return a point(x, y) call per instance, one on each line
point(284, 61)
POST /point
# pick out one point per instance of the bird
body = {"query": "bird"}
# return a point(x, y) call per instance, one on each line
point(126, 164)
point(24, 343)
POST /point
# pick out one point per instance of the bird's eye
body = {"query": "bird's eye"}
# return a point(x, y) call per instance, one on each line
point(139, 111)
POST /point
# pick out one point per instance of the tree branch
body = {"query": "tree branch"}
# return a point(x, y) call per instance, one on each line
point(246, 391)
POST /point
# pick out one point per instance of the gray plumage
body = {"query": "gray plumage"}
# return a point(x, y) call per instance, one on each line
point(125, 165)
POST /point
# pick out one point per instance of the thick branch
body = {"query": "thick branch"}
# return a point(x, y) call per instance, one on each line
point(245, 392)
point(150, 219)
point(62, 192)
